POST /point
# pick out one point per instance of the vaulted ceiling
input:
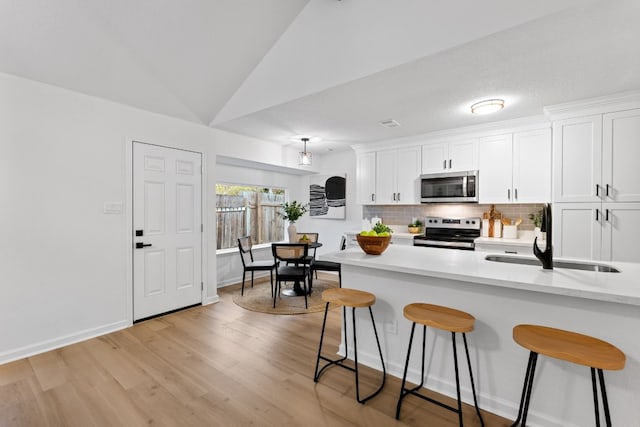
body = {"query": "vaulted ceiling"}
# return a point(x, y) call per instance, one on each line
point(334, 69)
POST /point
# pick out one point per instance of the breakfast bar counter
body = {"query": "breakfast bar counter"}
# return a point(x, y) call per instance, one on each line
point(501, 296)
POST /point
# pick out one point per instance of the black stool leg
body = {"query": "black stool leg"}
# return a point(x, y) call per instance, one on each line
point(473, 386)
point(526, 390)
point(455, 363)
point(324, 323)
point(403, 390)
point(605, 401)
point(594, 386)
point(244, 274)
point(384, 369)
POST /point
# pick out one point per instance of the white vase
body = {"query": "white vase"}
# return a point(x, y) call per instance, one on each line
point(293, 238)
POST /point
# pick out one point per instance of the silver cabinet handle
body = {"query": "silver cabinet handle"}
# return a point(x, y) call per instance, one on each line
point(394, 197)
point(606, 217)
point(607, 191)
point(398, 196)
point(597, 214)
point(373, 197)
point(444, 164)
point(597, 190)
point(508, 194)
point(449, 163)
point(515, 193)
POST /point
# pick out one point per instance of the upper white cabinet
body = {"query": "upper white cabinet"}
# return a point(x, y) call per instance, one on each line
point(596, 158)
point(366, 178)
point(620, 156)
point(515, 167)
point(577, 152)
point(388, 176)
point(450, 156)
point(397, 175)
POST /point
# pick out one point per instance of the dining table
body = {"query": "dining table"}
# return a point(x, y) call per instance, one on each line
point(297, 290)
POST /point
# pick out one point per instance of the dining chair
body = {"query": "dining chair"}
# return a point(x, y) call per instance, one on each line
point(249, 264)
point(318, 265)
point(292, 267)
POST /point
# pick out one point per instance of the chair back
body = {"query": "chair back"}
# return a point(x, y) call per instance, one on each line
point(311, 237)
point(290, 252)
point(244, 246)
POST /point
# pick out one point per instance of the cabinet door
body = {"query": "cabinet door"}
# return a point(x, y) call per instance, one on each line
point(407, 175)
point(366, 178)
point(577, 157)
point(435, 157)
point(463, 155)
point(495, 168)
point(621, 155)
point(532, 166)
point(386, 189)
point(577, 230)
point(620, 232)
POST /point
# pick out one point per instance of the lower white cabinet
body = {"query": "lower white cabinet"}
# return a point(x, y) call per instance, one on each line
point(597, 231)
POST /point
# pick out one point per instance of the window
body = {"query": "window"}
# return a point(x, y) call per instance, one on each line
point(243, 210)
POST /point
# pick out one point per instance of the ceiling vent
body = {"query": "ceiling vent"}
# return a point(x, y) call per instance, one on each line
point(389, 123)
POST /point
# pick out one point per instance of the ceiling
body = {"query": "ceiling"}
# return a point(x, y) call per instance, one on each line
point(328, 68)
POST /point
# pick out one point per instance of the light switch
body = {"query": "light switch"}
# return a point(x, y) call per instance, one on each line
point(113, 208)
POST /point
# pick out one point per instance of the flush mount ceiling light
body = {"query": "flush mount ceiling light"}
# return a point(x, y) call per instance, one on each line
point(487, 106)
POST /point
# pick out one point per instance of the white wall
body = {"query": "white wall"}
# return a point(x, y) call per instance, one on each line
point(63, 267)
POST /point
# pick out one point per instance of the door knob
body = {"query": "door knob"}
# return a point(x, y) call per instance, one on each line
point(140, 245)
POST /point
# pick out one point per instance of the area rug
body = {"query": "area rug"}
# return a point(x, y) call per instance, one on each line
point(259, 298)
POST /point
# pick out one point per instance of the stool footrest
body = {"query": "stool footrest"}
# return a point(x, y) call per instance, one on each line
point(414, 392)
point(333, 362)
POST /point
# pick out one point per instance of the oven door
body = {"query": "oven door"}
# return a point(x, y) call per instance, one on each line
point(449, 187)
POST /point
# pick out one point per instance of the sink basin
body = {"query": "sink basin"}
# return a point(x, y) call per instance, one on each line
point(574, 265)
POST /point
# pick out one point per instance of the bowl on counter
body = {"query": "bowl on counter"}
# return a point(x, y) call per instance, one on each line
point(373, 245)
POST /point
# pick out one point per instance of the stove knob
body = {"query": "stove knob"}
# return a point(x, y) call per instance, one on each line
point(467, 222)
point(473, 222)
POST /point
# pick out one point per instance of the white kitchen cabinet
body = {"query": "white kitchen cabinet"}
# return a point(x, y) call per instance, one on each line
point(577, 152)
point(515, 168)
point(397, 175)
point(599, 231)
point(596, 158)
point(366, 178)
point(450, 156)
point(620, 156)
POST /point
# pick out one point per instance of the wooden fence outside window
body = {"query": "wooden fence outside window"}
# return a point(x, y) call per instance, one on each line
point(255, 214)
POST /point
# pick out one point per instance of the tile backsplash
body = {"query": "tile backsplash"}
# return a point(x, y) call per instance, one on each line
point(403, 214)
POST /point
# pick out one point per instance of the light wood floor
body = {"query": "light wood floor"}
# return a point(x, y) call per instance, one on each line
point(218, 365)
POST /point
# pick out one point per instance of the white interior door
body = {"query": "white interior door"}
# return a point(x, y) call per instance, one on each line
point(167, 242)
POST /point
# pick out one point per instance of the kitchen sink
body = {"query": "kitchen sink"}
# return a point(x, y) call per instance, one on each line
point(574, 265)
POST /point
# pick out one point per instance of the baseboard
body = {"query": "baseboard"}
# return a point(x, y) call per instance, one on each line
point(52, 344)
point(211, 300)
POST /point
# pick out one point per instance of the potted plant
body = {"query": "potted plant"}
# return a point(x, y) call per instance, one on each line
point(415, 227)
point(536, 218)
point(292, 212)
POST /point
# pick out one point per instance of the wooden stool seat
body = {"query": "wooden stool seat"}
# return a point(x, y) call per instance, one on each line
point(437, 316)
point(349, 297)
point(570, 346)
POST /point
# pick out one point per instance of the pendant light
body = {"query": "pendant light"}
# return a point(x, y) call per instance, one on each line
point(305, 157)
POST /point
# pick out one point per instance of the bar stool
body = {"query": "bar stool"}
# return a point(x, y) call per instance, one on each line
point(355, 299)
point(572, 347)
point(447, 319)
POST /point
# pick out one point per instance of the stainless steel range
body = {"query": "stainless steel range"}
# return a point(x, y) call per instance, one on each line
point(452, 233)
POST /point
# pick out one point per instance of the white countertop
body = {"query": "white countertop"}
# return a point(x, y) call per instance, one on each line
point(470, 266)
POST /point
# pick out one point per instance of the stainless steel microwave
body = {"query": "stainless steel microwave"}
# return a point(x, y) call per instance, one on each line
point(454, 187)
